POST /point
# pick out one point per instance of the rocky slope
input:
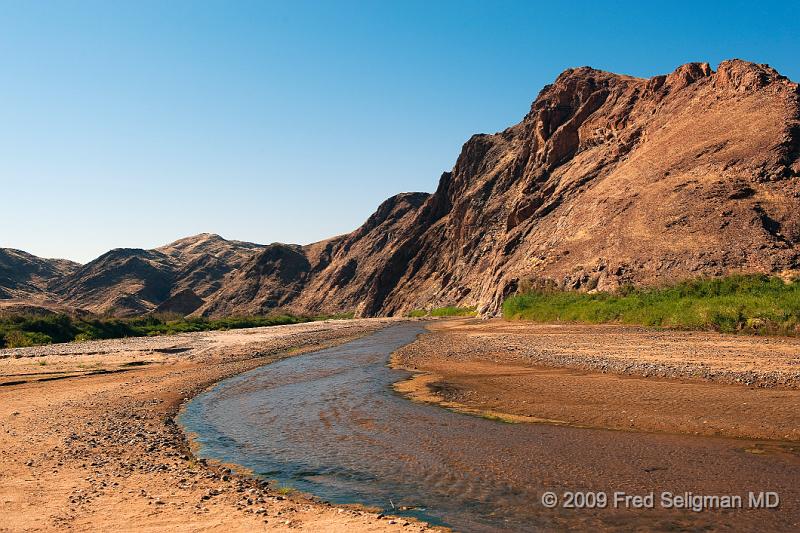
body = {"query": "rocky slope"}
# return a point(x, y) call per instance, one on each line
point(203, 260)
point(174, 278)
point(25, 276)
point(324, 277)
point(609, 179)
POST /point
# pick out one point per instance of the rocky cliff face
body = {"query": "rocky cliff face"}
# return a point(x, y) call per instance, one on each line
point(336, 275)
point(608, 180)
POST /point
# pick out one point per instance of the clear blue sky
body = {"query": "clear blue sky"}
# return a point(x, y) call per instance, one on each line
point(131, 124)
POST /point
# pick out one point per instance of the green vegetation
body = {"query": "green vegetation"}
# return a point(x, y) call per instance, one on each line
point(453, 311)
point(337, 316)
point(20, 339)
point(31, 330)
point(443, 311)
point(755, 304)
point(496, 418)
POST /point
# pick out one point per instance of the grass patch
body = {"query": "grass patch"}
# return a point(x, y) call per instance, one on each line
point(443, 311)
point(336, 316)
point(453, 311)
point(33, 330)
point(753, 304)
point(496, 418)
point(284, 490)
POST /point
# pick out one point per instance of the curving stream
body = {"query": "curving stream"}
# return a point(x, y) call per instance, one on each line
point(329, 423)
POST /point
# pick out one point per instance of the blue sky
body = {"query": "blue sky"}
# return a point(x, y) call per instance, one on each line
point(134, 124)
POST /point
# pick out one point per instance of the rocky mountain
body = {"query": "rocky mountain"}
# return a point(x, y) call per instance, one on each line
point(127, 281)
point(325, 277)
point(25, 276)
point(124, 281)
point(608, 180)
point(202, 261)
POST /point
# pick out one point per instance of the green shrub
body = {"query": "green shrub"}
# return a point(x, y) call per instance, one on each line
point(30, 330)
point(756, 304)
point(22, 339)
point(443, 311)
point(453, 311)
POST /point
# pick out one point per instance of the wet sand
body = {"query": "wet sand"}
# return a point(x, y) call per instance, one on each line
point(89, 441)
point(610, 377)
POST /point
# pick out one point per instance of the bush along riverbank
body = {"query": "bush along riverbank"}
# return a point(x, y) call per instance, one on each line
point(752, 304)
point(443, 312)
point(31, 330)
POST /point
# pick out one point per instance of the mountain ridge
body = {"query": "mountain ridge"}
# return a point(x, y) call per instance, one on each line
point(133, 281)
point(608, 180)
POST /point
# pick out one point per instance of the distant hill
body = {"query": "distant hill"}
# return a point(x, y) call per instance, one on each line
point(127, 281)
point(26, 276)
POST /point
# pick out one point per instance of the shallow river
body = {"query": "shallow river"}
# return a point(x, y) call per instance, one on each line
point(329, 423)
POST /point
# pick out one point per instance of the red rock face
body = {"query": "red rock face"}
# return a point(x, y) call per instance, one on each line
point(609, 179)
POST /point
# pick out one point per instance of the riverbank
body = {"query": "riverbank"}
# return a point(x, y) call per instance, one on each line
point(608, 376)
point(89, 439)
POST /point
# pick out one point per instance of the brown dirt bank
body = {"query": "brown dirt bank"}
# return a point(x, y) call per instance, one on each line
point(89, 442)
point(610, 377)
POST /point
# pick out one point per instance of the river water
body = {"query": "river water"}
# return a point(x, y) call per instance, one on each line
point(328, 423)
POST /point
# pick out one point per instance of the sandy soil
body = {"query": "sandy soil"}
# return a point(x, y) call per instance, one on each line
point(89, 442)
point(611, 377)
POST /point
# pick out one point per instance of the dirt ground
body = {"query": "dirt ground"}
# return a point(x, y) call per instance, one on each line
point(89, 442)
point(610, 377)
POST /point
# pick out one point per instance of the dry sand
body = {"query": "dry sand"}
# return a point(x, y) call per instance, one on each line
point(89, 442)
point(610, 377)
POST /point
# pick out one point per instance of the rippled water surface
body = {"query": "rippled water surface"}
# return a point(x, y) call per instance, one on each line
point(329, 423)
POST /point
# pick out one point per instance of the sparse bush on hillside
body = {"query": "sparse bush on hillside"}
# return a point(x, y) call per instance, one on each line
point(756, 304)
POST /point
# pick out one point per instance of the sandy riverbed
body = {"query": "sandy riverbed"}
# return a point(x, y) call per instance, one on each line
point(89, 441)
point(611, 377)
